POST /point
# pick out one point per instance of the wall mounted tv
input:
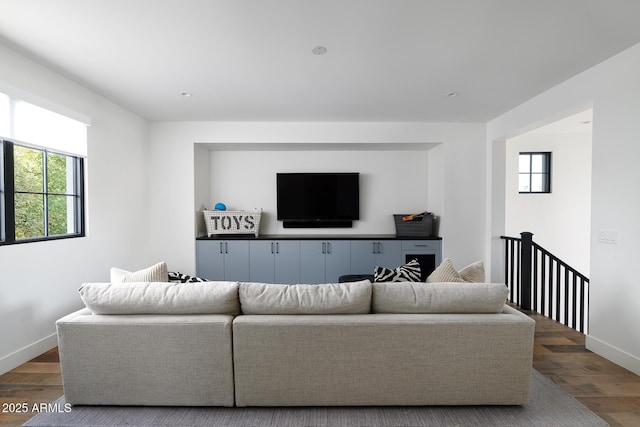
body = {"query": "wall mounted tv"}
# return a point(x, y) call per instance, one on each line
point(315, 200)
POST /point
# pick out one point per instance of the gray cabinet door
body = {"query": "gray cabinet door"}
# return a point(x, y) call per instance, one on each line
point(363, 256)
point(338, 260)
point(210, 259)
point(287, 261)
point(275, 261)
point(324, 261)
point(261, 254)
point(367, 254)
point(222, 259)
point(236, 260)
point(389, 253)
point(312, 261)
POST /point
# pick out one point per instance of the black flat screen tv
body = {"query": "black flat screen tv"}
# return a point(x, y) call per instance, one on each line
point(310, 200)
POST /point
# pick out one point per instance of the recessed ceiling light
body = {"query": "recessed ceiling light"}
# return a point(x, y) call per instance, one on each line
point(452, 94)
point(319, 50)
point(186, 94)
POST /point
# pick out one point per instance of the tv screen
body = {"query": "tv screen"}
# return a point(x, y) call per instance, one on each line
point(322, 198)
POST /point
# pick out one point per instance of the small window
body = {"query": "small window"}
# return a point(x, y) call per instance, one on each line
point(534, 173)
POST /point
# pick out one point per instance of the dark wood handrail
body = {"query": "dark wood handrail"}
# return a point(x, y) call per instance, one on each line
point(540, 281)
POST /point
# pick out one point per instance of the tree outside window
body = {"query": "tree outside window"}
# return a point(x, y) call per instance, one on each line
point(46, 192)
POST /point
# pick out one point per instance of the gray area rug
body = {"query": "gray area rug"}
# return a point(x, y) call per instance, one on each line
point(549, 406)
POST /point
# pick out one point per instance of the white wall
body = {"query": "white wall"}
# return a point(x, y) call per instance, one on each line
point(39, 281)
point(560, 220)
point(382, 173)
point(453, 172)
point(613, 89)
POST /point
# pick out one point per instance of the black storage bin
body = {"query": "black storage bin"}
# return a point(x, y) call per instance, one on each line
point(421, 227)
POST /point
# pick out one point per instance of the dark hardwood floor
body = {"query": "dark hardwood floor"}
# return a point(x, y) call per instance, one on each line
point(559, 353)
point(607, 389)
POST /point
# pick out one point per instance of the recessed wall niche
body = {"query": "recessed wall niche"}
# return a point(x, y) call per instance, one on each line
point(394, 178)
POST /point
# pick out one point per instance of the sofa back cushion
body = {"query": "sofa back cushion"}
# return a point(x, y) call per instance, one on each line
point(419, 297)
point(330, 298)
point(161, 298)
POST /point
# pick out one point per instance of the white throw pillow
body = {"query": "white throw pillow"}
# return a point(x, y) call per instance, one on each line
point(161, 298)
point(155, 273)
point(445, 273)
point(473, 273)
point(420, 297)
point(331, 298)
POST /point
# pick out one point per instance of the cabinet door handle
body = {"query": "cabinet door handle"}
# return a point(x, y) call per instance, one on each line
point(271, 247)
point(277, 247)
point(328, 247)
point(220, 247)
point(379, 247)
point(420, 246)
point(226, 248)
point(374, 247)
point(324, 248)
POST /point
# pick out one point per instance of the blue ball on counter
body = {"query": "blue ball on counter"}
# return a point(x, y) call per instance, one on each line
point(220, 207)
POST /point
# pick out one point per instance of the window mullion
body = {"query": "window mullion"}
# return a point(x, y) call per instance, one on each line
point(531, 173)
point(45, 197)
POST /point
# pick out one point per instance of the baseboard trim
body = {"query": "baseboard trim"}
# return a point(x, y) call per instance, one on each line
point(614, 354)
point(17, 358)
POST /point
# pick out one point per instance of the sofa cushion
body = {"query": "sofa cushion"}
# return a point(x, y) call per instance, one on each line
point(419, 297)
point(330, 298)
point(155, 273)
point(161, 298)
point(409, 272)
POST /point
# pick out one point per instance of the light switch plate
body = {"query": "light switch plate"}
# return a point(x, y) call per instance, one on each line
point(608, 236)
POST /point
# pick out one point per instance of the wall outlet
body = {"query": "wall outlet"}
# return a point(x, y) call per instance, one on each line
point(608, 236)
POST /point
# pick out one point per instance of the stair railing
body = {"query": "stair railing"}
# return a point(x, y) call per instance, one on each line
point(542, 282)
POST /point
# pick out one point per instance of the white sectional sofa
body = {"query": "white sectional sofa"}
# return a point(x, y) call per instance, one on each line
point(253, 344)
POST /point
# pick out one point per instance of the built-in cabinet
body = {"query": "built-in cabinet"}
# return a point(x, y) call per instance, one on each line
point(308, 260)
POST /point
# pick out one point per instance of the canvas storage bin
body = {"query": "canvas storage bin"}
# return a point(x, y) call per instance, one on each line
point(421, 227)
point(232, 222)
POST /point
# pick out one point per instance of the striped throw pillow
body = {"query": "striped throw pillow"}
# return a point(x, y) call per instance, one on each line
point(409, 272)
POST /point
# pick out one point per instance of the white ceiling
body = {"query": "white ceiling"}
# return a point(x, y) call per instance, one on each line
point(581, 122)
point(387, 60)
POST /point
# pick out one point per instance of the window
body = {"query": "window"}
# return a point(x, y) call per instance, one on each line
point(534, 172)
point(41, 185)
